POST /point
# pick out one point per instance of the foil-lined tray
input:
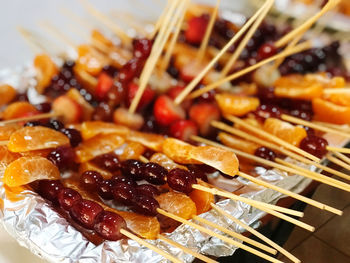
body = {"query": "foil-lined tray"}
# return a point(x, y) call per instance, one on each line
point(36, 226)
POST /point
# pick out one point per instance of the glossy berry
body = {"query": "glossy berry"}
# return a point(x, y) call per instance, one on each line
point(55, 124)
point(147, 189)
point(44, 107)
point(181, 180)
point(305, 115)
point(68, 197)
point(155, 174)
point(265, 153)
point(133, 169)
point(166, 111)
point(198, 172)
point(142, 47)
point(49, 189)
point(145, 205)
point(84, 212)
point(130, 70)
point(102, 112)
point(108, 161)
point(196, 29)
point(62, 157)
point(265, 111)
point(73, 135)
point(266, 50)
point(108, 225)
point(104, 189)
point(118, 178)
point(124, 193)
point(146, 98)
point(32, 124)
point(90, 180)
point(314, 145)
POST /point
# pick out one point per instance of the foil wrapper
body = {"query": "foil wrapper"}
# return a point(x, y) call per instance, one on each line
point(36, 226)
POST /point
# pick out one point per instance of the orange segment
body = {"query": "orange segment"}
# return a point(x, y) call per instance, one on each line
point(6, 131)
point(132, 150)
point(46, 69)
point(7, 94)
point(18, 109)
point(97, 145)
point(329, 112)
point(339, 99)
point(89, 60)
point(29, 169)
point(178, 204)
point(36, 138)
point(149, 140)
point(42, 153)
point(285, 131)
point(90, 129)
point(236, 105)
point(6, 157)
point(237, 143)
point(179, 151)
point(202, 199)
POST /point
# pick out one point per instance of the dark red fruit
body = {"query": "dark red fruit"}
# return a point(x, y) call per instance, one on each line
point(90, 180)
point(108, 161)
point(203, 114)
point(145, 205)
point(118, 178)
point(266, 111)
point(146, 98)
point(266, 50)
point(55, 124)
point(104, 84)
point(130, 70)
point(183, 130)
point(103, 112)
point(155, 174)
point(104, 189)
point(108, 225)
point(84, 212)
point(305, 115)
point(49, 189)
point(314, 145)
point(166, 111)
point(124, 193)
point(68, 197)
point(147, 189)
point(133, 169)
point(196, 29)
point(198, 172)
point(32, 124)
point(73, 135)
point(44, 107)
point(181, 180)
point(265, 153)
point(62, 157)
point(142, 47)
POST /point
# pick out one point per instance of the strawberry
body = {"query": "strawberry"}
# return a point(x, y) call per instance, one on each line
point(146, 99)
point(173, 92)
point(104, 84)
point(69, 109)
point(202, 114)
point(166, 111)
point(196, 29)
point(183, 129)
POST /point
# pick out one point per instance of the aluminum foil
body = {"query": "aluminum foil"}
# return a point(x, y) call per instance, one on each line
point(36, 226)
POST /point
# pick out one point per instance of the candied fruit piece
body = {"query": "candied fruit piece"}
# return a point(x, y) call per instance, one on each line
point(237, 143)
point(45, 69)
point(86, 108)
point(90, 129)
point(151, 141)
point(96, 146)
point(179, 151)
point(6, 157)
point(7, 94)
point(36, 138)
point(202, 199)
point(19, 109)
point(236, 105)
point(6, 131)
point(329, 112)
point(132, 150)
point(165, 161)
point(28, 169)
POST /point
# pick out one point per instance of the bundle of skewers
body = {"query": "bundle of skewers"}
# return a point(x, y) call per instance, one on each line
point(132, 137)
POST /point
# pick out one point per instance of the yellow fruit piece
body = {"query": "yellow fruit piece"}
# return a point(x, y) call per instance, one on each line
point(18, 109)
point(46, 69)
point(236, 105)
point(7, 94)
point(202, 199)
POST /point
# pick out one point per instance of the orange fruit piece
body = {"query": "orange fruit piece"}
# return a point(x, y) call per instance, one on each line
point(100, 144)
point(178, 204)
point(90, 129)
point(342, 99)
point(29, 169)
point(6, 157)
point(132, 150)
point(202, 199)
point(46, 69)
point(89, 60)
point(6, 131)
point(88, 166)
point(329, 112)
point(237, 143)
point(179, 151)
point(42, 153)
point(219, 158)
point(7, 94)
point(285, 131)
point(149, 140)
point(36, 138)
point(19, 109)
point(236, 105)
point(165, 161)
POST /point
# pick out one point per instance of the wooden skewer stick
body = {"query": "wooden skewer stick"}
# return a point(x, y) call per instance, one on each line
point(254, 203)
point(337, 149)
point(150, 246)
point(223, 238)
point(256, 233)
point(251, 137)
point(129, 20)
point(342, 157)
point(36, 47)
point(30, 118)
point(336, 91)
point(198, 78)
point(301, 47)
point(235, 235)
point(307, 24)
point(160, 20)
point(208, 31)
point(157, 48)
point(272, 137)
point(4, 143)
point(286, 168)
point(344, 128)
point(243, 43)
point(107, 22)
point(186, 249)
point(51, 29)
point(338, 162)
point(313, 125)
